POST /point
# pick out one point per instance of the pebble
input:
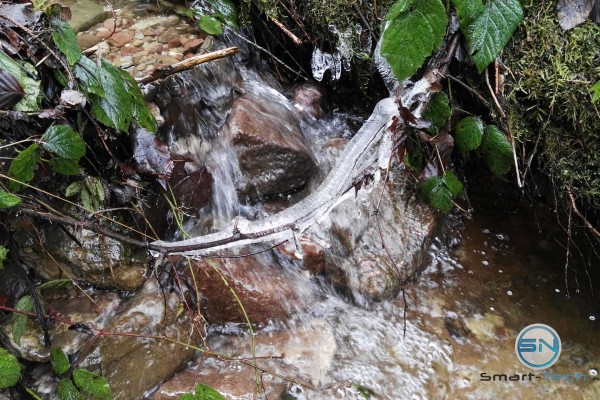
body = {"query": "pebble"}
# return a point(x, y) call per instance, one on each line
point(140, 45)
point(120, 39)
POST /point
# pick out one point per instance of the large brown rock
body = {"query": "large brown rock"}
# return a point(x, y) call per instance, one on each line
point(266, 291)
point(134, 365)
point(273, 156)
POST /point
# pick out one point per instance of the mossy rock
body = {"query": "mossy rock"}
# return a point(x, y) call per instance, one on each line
point(550, 101)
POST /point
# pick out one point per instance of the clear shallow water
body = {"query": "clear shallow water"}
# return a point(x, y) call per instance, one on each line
point(495, 275)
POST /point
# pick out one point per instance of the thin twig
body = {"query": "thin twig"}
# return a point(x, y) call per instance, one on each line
point(487, 82)
point(583, 218)
point(471, 90)
point(285, 30)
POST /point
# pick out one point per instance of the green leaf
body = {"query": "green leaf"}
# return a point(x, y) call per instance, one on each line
point(3, 254)
point(413, 31)
point(468, 133)
point(22, 168)
point(467, 11)
point(72, 189)
point(10, 369)
point(452, 183)
point(92, 384)
point(115, 97)
point(496, 150)
point(188, 396)
point(66, 390)
point(595, 89)
point(65, 40)
point(88, 75)
point(56, 284)
point(25, 303)
point(65, 166)
point(438, 111)
point(92, 194)
point(141, 112)
point(204, 392)
point(31, 87)
point(439, 191)
point(64, 142)
point(59, 360)
point(491, 30)
point(210, 25)
point(225, 11)
point(8, 200)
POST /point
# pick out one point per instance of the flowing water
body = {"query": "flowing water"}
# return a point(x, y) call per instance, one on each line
point(488, 276)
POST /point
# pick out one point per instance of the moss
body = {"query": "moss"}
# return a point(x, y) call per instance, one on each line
point(549, 98)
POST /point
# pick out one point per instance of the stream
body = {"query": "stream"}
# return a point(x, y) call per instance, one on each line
point(330, 321)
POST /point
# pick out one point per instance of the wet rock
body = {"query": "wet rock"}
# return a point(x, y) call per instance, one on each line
point(192, 45)
point(272, 154)
point(307, 353)
point(191, 185)
point(97, 260)
point(357, 261)
point(85, 14)
point(86, 40)
point(120, 39)
point(92, 309)
point(134, 365)
point(308, 99)
point(310, 256)
point(266, 292)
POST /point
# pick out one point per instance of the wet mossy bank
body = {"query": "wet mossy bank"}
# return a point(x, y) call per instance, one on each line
point(551, 115)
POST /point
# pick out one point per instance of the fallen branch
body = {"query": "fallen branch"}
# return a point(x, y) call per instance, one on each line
point(190, 63)
point(361, 152)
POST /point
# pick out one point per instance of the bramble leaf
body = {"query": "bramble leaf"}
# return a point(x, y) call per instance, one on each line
point(413, 30)
point(438, 111)
point(95, 386)
point(115, 97)
point(496, 150)
point(225, 11)
point(467, 11)
point(10, 369)
point(25, 303)
point(210, 25)
point(452, 183)
point(59, 360)
point(440, 190)
point(64, 38)
point(64, 142)
point(66, 390)
point(468, 133)
point(72, 189)
point(8, 200)
point(22, 168)
point(204, 392)
point(65, 166)
point(491, 30)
